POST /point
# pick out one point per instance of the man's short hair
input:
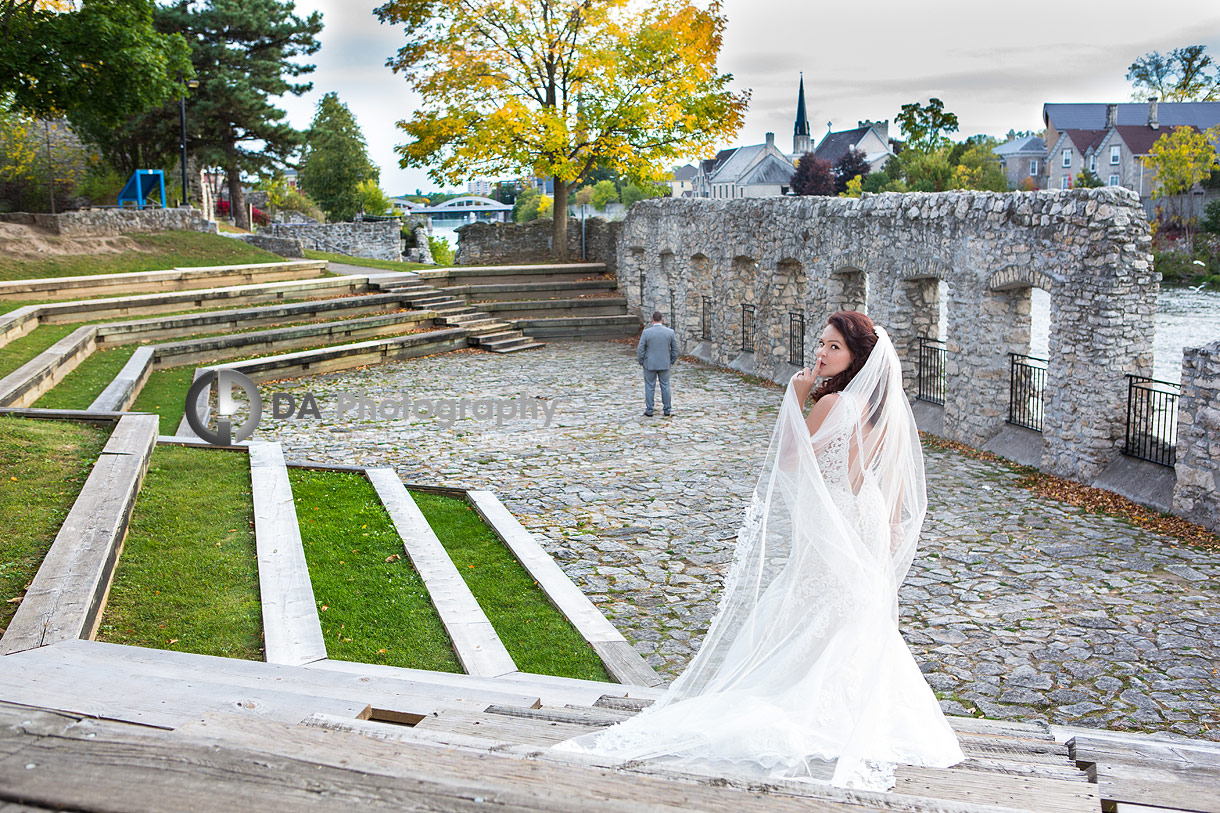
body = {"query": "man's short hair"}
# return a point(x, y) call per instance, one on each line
point(656, 316)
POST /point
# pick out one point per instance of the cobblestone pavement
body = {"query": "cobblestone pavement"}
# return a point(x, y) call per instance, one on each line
point(1016, 606)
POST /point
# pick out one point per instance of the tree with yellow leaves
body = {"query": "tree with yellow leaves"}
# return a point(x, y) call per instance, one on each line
point(1179, 160)
point(558, 87)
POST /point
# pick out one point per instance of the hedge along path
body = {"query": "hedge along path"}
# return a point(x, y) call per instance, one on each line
point(43, 466)
point(188, 576)
point(373, 605)
point(536, 635)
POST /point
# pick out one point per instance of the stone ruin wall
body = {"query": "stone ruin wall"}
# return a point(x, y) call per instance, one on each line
point(371, 239)
point(112, 222)
point(886, 255)
point(509, 243)
point(1197, 493)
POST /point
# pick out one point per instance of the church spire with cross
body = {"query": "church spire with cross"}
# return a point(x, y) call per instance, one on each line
point(800, 133)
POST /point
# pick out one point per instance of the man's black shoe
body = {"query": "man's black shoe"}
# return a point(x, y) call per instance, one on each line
point(647, 414)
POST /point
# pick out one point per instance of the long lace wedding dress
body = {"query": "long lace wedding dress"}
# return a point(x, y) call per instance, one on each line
point(803, 673)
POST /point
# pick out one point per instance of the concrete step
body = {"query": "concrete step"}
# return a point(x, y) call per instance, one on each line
point(485, 326)
point(482, 339)
point(512, 345)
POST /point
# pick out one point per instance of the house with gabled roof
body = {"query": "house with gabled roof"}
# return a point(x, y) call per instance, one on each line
point(870, 137)
point(1023, 159)
point(755, 171)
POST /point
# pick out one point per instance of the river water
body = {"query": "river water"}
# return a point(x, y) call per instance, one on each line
point(1184, 318)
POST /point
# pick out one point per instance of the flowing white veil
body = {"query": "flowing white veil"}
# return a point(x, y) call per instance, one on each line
point(803, 672)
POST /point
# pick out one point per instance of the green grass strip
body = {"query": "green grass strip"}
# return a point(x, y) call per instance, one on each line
point(364, 262)
point(85, 383)
point(19, 351)
point(164, 393)
point(371, 601)
point(43, 466)
point(187, 579)
point(153, 252)
point(537, 635)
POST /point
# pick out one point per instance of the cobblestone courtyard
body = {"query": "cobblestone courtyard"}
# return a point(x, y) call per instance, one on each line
point(1016, 606)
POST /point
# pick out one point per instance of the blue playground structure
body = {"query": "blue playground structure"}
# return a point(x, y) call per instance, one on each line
point(141, 184)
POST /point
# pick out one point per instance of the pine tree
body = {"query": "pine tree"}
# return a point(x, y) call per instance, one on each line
point(336, 160)
point(243, 52)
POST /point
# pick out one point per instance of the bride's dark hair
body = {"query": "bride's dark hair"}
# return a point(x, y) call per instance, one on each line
point(861, 337)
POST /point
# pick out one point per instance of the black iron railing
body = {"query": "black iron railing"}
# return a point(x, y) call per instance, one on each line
point(642, 281)
point(1026, 391)
point(796, 339)
point(747, 328)
point(707, 319)
point(1152, 419)
point(673, 320)
point(931, 377)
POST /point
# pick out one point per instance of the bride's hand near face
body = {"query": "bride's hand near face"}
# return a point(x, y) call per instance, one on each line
point(802, 384)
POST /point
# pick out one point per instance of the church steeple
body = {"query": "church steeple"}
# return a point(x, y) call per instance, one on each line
point(800, 133)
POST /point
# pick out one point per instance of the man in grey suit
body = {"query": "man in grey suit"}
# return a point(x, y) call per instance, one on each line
point(657, 350)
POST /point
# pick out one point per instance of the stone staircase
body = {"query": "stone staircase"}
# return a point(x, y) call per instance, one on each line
point(483, 330)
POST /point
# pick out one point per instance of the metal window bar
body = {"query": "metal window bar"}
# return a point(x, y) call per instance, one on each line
point(1026, 391)
point(796, 339)
point(747, 328)
point(707, 319)
point(642, 280)
point(931, 376)
point(1152, 420)
point(673, 319)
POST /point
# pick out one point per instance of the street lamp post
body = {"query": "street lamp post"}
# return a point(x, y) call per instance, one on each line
point(192, 84)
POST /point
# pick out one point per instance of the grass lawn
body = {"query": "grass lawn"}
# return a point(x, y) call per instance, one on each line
point(19, 351)
point(43, 465)
point(187, 579)
point(373, 605)
point(85, 383)
point(538, 637)
point(165, 394)
point(385, 265)
point(155, 252)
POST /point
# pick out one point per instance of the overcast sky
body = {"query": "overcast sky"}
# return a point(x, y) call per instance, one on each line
point(992, 64)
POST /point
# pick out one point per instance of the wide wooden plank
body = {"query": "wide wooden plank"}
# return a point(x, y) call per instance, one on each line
point(551, 691)
point(773, 787)
point(621, 660)
point(1025, 792)
point(549, 786)
point(1182, 755)
point(501, 727)
point(24, 385)
point(391, 693)
point(122, 390)
point(127, 694)
point(478, 647)
point(1197, 791)
point(597, 718)
point(66, 597)
point(292, 632)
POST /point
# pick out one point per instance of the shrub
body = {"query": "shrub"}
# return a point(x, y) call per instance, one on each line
point(441, 253)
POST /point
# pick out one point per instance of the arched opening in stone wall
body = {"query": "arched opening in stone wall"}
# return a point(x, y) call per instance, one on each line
point(741, 299)
point(847, 290)
point(664, 299)
point(788, 320)
point(914, 325)
point(699, 323)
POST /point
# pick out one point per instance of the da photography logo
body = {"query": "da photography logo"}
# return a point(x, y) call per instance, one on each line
point(225, 381)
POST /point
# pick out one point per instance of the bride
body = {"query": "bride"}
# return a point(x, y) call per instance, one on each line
point(803, 673)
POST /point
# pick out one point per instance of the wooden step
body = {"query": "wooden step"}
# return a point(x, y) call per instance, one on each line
point(478, 647)
point(65, 600)
point(292, 632)
point(622, 661)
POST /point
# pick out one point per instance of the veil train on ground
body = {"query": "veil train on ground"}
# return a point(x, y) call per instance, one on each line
point(804, 673)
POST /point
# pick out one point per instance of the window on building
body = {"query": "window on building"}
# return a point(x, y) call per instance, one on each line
point(1063, 183)
point(1113, 180)
point(1067, 158)
point(1114, 155)
point(783, 190)
point(1033, 167)
point(1093, 163)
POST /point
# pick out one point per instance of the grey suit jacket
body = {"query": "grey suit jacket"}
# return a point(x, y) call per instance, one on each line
point(658, 348)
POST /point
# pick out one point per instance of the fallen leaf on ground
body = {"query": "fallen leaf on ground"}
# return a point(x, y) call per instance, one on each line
point(393, 557)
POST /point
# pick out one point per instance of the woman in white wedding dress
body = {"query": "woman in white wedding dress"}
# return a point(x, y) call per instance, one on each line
point(803, 673)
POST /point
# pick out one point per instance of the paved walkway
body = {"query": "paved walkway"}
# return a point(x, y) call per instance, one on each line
point(1017, 606)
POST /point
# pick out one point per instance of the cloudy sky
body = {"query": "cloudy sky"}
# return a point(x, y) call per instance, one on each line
point(993, 64)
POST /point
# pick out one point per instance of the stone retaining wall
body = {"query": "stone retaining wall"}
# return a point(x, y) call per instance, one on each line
point(886, 255)
point(1196, 495)
point(110, 222)
point(371, 239)
point(509, 243)
point(284, 246)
